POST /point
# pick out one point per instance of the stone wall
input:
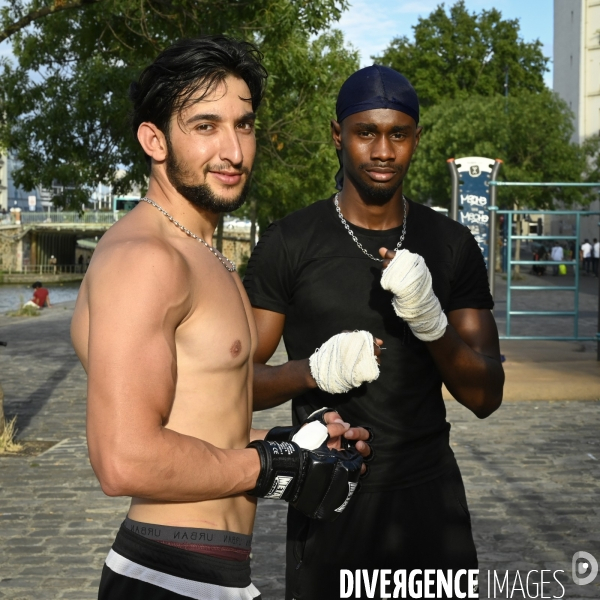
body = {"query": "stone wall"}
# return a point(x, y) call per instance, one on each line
point(11, 250)
point(236, 248)
point(15, 254)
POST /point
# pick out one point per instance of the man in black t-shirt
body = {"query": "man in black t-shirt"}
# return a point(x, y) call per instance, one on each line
point(318, 272)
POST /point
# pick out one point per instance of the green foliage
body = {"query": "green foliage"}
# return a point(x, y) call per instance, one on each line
point(25, 311)
point(458, 62)
point(456, 53)
point(64, 106)
point(591, 149)
point(531, 134)
point(296, 161)
point(242, 266)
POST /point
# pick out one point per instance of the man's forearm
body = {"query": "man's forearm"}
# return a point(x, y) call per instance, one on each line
point(475, 380)
point(167, 466)
point(274, 385)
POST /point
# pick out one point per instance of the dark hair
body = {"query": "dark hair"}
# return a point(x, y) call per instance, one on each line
point(169, 85)
point(37, 284)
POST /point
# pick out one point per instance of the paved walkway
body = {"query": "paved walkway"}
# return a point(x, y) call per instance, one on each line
point(548, 370)
point(532, 473)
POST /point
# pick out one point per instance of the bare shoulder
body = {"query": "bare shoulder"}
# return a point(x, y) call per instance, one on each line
point(134, 264)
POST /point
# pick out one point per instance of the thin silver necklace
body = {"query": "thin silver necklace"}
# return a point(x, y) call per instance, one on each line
point(344, 222)
point(222, 259)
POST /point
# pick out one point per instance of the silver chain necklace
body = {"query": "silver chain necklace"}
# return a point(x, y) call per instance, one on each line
point(222, 259)
point(339, 212)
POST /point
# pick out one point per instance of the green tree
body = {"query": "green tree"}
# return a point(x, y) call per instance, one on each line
point(296, 161)
point(591, 148)
point(531, 133)
point(456, 53)
point(64, 106)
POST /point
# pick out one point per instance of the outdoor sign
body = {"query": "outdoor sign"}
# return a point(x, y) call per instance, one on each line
point(474, 173)
point(32, 201)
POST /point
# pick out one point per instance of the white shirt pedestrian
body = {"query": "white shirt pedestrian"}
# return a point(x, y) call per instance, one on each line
point(586, 249)
point(557, 253)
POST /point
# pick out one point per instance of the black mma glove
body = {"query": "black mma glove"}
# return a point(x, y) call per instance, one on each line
point(286, 434)
point(318, 483)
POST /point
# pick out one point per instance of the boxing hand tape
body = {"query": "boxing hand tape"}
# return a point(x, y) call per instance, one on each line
point(318, 483)
point(409, 279)
point(344, 361)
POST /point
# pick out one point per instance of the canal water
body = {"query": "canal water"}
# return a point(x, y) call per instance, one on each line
point(12, 294)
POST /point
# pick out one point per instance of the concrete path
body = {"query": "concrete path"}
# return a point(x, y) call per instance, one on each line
point(532, 473)
point(549, 370)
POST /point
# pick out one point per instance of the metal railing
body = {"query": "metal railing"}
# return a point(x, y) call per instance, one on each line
point(61, 218)
point(574, 263)
point(47, 270)
point(88, 217)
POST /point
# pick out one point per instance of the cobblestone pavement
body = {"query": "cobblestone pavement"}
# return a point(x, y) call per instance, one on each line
point(532, 473)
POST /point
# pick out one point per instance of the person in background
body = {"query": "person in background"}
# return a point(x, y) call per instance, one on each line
point(41, 296)
point(586, 255)
point(540, 254)
point(557, 255)
point(595, 256)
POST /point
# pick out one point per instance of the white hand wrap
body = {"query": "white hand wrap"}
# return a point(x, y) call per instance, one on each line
point(409, 279)
point(344, 361)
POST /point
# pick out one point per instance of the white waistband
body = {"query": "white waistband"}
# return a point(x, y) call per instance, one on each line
point(184, 587)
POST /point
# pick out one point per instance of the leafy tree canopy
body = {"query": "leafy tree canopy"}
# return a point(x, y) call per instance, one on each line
point(531, 133)
point(456, 53)
point(296, 160)
point(591, 148)
point(64, 105)
point(458, 62)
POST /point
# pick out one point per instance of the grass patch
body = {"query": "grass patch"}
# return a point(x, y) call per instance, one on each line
point(7, 438)
point(25, 311)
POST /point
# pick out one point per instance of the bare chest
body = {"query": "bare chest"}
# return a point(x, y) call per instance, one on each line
point(219, 333)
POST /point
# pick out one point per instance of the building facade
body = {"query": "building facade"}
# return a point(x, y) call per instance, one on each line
point(577, 62)
point(577, 82)
point(12, 196)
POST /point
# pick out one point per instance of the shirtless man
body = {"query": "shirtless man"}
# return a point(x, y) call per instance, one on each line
point(164, 330)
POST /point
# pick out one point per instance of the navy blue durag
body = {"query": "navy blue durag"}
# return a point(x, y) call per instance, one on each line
point(375, 87)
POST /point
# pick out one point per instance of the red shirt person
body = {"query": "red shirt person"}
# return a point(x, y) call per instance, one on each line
point(40, 295)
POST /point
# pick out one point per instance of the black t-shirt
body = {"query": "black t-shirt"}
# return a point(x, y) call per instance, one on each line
point(307, 267)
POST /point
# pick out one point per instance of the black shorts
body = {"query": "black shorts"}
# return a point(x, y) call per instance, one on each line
point(426, 526)
point(137, 568)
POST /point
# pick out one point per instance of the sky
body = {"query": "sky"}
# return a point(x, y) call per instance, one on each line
point(370, 25)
